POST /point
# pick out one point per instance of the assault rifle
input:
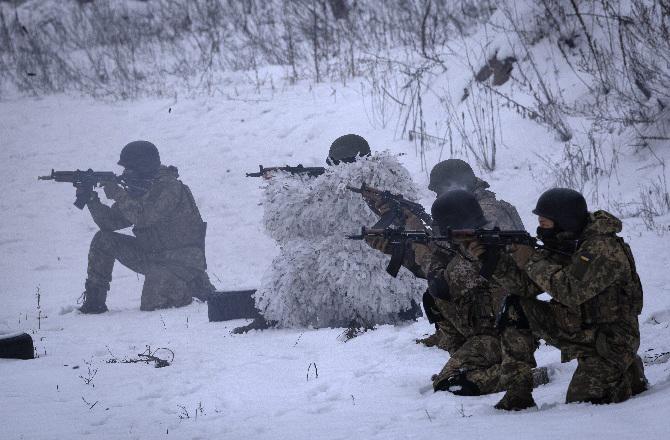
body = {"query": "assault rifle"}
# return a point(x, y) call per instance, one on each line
point(87, 180)
point(398, 238)
point(299, 169)
point(396, 235)
point(490, 238)
point(397, 203)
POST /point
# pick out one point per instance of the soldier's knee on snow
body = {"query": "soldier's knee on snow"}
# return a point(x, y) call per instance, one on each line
point(164, 289)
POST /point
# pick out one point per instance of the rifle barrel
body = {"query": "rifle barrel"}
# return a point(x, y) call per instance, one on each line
point(298, 169)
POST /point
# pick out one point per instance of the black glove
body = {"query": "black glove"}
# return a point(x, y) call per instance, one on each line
point(112, 190)
point(438, 286)
point(85, 195)
point(490, 260)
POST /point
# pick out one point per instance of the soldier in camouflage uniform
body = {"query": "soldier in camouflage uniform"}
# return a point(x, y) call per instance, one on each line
point(465, 301)
point(593, 315)
point(453, 174)
point(169, 243)
point(449, 175)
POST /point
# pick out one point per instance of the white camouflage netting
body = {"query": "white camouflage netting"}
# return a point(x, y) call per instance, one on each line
point(321, 279)
point(316, 208)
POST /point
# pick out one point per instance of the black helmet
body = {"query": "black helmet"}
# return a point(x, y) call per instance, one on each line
point(347, 148)
point(565, 207)
point(457, 209)
point(451, 174)
point(140, 156)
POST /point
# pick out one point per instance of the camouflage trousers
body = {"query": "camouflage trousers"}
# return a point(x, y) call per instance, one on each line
point(608, 368)
point(478, 357)
point(162, 287)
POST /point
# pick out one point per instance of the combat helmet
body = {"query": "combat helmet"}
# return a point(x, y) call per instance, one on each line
point(565, 207)
point(457, 209)
point(452, 174)
point(140, 156)
point(347, 148)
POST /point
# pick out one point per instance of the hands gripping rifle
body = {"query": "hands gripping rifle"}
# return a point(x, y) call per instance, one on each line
point(84, 181)
point(396, 202)
point(498, 238)
point(299, 169)
point(399, 238)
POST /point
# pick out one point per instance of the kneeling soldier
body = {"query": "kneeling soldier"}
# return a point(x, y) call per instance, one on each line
point(596, 298)
point(465, 301)
point(169, 243)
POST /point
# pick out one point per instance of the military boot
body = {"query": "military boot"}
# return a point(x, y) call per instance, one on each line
point(94, 298)
point(635, 373)
point(516, 402)
point(258, 323)
point(519, 396)
point(457, 384)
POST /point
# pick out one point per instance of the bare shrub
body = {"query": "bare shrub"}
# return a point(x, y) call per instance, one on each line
point(123, 50)
point(548, 102)
point(583, 167)
point(620, 51)
point(654, 201)
point(478, 125)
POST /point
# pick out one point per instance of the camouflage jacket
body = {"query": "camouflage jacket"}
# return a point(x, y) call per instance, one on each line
point(498, 212)
point(598, 284)
point(466, 299)
point(165, 220)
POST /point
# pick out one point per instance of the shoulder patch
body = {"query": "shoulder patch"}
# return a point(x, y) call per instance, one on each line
point(582, 264)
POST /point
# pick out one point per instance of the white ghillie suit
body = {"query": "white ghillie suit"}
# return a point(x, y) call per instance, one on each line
point(319, 278)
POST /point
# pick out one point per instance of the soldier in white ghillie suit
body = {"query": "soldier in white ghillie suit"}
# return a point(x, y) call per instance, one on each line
point(319, 278)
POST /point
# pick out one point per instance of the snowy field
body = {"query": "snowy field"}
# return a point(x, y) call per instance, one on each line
point(276, 384)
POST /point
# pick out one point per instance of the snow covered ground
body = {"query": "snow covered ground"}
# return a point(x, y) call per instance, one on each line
point(276, 384)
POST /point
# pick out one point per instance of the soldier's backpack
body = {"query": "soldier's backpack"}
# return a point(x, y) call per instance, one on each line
point(634, 289)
